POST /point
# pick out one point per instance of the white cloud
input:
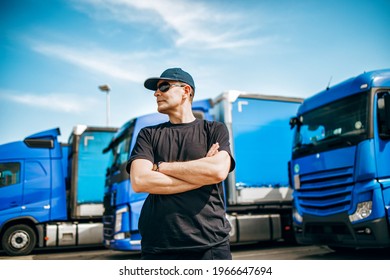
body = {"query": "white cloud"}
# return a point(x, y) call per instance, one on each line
point(195, 25)
point(59, 102)
point(107, 63)
point(191, 24)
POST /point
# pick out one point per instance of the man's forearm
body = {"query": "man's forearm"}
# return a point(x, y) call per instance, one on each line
point(204, 171)
point(145, 180)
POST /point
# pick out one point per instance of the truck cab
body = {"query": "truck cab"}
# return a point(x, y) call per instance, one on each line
point(28, 192)
point(340, 167)
point(51, 193)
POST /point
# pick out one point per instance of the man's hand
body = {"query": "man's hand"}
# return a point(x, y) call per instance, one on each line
point(213, 150)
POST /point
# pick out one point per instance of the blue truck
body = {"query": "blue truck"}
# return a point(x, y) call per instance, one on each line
point(51, 194)
point(257, 193)
point(340, 166)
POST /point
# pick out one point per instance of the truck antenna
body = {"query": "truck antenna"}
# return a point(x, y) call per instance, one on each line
point(327, 88)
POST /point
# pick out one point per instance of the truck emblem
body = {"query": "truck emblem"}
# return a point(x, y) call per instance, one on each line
point(296, 168)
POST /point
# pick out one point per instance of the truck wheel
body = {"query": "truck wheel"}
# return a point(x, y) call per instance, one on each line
point(19, 240)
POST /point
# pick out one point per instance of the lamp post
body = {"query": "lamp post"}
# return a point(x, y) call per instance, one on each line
point(106, 89)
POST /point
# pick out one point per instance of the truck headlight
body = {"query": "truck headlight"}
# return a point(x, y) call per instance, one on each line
point(297, 182)
point(297, 216)
point(119, 236)
point(363, 210)
point(119, 217)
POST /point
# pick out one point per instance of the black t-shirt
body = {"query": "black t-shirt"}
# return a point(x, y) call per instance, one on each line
point(192, 220)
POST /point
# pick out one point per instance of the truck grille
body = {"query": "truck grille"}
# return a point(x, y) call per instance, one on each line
point(327, 192)
point(108, 217)
point(108, 227)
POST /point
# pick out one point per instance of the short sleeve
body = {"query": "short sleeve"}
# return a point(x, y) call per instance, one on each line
point(142, 148)
point(220, 134)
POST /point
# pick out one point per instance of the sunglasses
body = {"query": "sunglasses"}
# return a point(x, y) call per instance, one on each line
point(165, 86)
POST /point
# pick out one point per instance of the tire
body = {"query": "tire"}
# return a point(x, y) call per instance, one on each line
point(19, 240)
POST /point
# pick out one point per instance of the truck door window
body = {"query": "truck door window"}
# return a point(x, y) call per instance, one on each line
point(9, 174)
point(384, 114)
point(121, 148)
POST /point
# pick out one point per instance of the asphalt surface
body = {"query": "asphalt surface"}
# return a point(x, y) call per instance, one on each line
point(260, 251)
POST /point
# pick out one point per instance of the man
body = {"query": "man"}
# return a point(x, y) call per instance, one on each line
point(181, 164)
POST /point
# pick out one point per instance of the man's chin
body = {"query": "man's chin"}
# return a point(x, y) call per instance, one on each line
point(161, 110)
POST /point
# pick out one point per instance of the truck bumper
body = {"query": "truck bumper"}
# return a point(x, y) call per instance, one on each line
point(338, 231)
point(123, 244)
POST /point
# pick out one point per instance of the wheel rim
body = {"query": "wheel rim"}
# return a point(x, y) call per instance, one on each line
point(20, 239)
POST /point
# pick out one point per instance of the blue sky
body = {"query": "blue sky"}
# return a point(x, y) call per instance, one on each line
point(54, 54)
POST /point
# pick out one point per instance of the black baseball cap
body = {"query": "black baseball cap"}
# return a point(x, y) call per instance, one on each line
point(171, 74)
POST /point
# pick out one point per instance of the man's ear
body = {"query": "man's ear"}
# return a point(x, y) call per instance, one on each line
point(188, 91)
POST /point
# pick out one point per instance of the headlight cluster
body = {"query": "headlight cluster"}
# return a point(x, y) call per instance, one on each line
point(297, 217)
point(119, 217)
point(363, 210)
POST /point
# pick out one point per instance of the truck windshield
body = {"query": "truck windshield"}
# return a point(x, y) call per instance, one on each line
point(120, 148)
point(338, 124)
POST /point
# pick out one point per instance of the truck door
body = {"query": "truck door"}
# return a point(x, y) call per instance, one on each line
point(11, 188)
point(36, 198)
point(382, 140)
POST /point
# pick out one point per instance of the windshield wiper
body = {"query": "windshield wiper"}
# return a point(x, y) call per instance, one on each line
point(304, 147)
point(335, 140)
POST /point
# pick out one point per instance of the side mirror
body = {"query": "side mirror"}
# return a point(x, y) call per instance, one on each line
point(294, 121)
point(384, 115)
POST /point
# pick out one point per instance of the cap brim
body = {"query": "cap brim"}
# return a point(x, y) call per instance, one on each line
point(151, 83)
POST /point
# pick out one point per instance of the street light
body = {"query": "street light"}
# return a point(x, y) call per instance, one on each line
point(106, 89)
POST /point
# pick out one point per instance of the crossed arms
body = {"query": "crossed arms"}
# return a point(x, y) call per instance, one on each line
point(178, 177)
